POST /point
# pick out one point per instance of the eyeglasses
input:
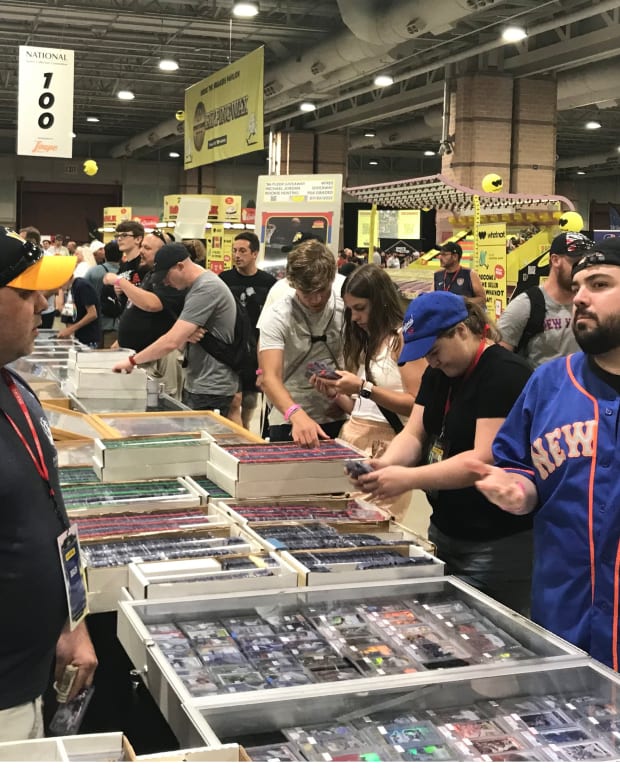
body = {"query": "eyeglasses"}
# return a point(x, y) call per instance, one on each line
point(30, 254)
point(123, 234)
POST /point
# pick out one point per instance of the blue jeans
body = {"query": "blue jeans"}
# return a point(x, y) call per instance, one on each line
point(501, 568)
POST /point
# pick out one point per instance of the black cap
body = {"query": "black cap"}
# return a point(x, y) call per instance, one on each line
point(571, 243)
point(606, 251)
point(167, 257)
point(301, 236)
point(450, 247)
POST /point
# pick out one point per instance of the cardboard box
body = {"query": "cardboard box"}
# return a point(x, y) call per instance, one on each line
point(105, 747)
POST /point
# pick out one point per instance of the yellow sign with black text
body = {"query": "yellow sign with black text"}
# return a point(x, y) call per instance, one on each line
point(224, 113)
point(491, 266)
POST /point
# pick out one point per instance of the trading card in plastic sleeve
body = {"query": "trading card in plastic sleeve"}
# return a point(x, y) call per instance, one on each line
point(278, 752)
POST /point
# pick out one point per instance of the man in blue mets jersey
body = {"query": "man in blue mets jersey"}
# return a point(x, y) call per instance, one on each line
point(557, 457)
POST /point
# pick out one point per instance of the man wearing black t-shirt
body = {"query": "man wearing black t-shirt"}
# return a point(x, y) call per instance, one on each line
point(86, 325)
point(32, 592)
point(251, 286)
point(151, 311)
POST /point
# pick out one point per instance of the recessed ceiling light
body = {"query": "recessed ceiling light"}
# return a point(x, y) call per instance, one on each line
point(370, 133)
point(383, 80)
point(429, 153)
point(73, 134)
point(92, 119)
point(168, 65)
point(580, 172)
point(174, 155)
point(373, 163)
point(593, 125)
point(513, 34)
point(125, 94)
point(307, 107)
point(245, 10)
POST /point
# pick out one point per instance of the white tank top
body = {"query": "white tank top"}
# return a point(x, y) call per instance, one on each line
point(386, 374)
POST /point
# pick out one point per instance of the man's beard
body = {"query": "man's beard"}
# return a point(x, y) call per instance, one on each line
point(599, 340)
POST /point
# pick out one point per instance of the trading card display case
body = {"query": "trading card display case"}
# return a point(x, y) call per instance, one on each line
point(149, 457)
point(224, 654)
point(557, 713)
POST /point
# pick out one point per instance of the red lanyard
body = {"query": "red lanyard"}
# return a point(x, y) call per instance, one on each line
point(467, 374)
point(447, 287)
point(38, 459)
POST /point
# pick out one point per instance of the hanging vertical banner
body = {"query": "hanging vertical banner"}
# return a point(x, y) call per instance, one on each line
point(45, 102)
point(491, 265)
point(224, 113)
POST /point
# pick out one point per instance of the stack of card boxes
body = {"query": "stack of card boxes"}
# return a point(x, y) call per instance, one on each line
point(260, 470)
point(149, 457)
point(110, 498)
point(324, 508)
point(110, 544)
point(90, 375)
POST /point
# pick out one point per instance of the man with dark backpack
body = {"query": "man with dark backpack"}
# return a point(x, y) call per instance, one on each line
point(209, 313)
point(537, 323)
point(109, 305)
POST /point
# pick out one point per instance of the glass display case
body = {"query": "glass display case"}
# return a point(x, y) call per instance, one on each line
point(227, 653)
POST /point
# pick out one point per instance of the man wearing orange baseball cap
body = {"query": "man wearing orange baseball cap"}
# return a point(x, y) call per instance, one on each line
point(38, 624)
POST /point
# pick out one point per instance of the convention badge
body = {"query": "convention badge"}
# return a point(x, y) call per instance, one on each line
point(437, 450)
point(73, 574)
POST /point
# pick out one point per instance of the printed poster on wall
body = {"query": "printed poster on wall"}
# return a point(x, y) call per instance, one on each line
point(491, 266)
point(224, 113)
point(45, 102)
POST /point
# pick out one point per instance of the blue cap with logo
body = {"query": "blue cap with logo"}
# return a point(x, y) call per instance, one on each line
point(428, 316)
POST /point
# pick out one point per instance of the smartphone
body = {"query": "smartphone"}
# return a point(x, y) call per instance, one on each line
point(357, 468)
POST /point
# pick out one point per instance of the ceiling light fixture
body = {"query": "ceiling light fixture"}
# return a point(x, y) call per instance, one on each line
point(373, 163)
point(383, 80)
point(593, 125)
point(429, 153)
point(125, 94)
point(92, 119)
point(307, 107)
point(174, 154)
point(168, 65)
point(370, 133)
point(73, 134)
point(580, 172)
point(513, 34)
point(245, 10)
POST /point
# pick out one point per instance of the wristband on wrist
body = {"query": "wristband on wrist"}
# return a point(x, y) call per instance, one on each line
point(117, 282)
point(132, 360)
point(259, 372)
point(291, 411)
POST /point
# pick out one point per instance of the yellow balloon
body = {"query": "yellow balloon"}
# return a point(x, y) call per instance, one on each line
point(180, 115)
point(492, 183)
point(571, 221)
point(90, 167)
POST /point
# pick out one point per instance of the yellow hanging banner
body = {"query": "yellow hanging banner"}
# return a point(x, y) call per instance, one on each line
point(224, 113)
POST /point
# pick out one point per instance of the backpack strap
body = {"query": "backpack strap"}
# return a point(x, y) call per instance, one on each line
point(536, 322)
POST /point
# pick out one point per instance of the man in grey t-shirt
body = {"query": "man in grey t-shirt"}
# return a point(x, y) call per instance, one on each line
point(557, 337)
point(209, 305)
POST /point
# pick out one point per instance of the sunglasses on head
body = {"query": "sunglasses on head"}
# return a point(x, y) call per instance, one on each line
point(30, 254)
point(163, 236)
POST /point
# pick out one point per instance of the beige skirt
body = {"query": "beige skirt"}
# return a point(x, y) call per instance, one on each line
point(373, 438)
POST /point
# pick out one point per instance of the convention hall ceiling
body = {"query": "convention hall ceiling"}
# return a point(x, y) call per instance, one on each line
point(328, 53)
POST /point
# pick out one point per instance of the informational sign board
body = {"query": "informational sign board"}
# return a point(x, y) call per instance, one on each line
point(491, 266)
point(45, 102)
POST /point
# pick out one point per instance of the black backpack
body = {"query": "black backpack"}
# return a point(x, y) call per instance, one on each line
point(109, 303)
point(240, 355)
point(536, 322)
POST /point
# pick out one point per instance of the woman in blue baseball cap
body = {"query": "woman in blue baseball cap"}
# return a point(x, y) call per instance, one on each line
point(466, 393)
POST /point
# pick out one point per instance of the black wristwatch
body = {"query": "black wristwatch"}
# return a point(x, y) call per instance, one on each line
point(366, 389)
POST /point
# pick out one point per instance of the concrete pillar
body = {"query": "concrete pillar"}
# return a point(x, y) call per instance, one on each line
point(481, 124)
point(534, 136)
point(307, 153)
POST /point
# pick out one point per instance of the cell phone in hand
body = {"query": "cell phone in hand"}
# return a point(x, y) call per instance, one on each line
point(357, 468)
point(321, 370)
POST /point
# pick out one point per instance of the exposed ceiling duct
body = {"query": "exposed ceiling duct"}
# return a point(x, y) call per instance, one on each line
point(154, 136)
point(589, 86)
point(427, 127)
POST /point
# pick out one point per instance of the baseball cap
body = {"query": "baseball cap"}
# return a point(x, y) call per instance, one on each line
point(571, 244)
point(606, 251)
point(23, 265)
point(96, 245)
point(429, 315)
point(301, 236)
point(450, 247)
point(167, 257)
